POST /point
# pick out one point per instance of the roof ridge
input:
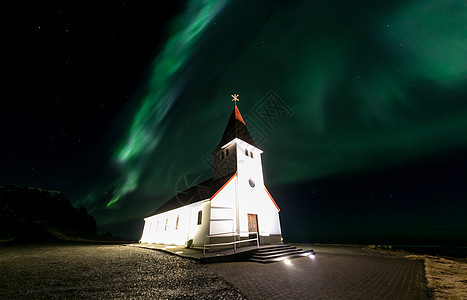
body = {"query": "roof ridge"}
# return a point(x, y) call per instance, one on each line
point(198, 192)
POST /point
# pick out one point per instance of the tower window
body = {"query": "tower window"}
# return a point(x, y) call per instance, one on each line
point(251, 154)
point(200, 217)
point(246, 152)
point(176, 222)
point(226, 152)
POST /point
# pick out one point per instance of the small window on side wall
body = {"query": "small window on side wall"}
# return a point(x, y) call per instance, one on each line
point(246, 152)
point(176, 222)
point(166, 221)
point(200, 217)
point(251, 154)
point(226, 152)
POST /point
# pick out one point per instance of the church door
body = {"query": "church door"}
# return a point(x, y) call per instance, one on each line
point(253, 227)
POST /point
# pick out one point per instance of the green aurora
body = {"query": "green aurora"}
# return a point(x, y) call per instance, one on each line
point(367, 84)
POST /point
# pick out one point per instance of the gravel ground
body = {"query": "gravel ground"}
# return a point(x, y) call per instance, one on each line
point(105, 272)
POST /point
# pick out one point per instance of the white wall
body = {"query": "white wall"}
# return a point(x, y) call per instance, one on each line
point(200, 231)
point(254, 200)
point(156, 231)
point(223, 210)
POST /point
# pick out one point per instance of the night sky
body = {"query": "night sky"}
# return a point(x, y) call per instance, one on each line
point(360, 108)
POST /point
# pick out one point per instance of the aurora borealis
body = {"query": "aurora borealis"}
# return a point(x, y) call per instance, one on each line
point(164, 86)
point(368, 87)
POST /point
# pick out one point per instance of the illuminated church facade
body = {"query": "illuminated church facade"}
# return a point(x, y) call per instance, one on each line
point(234, 202)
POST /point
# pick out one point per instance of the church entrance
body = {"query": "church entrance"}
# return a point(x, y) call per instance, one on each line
point(253, 227)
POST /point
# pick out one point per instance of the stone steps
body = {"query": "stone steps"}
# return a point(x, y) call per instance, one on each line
point(277, 253)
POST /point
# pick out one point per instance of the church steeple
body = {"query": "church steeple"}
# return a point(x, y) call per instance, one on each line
point(236, 127)
point(236, 144)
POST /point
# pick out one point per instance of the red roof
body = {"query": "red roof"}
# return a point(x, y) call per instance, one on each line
point(238, 116)
point(278, 209)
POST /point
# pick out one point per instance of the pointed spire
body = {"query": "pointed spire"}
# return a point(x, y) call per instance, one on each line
point(237, 114)
point(236, 127)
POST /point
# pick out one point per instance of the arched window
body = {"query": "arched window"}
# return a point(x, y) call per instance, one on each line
point(251, 154)
point(200, 217)
point(176, 223)
point(246, 152)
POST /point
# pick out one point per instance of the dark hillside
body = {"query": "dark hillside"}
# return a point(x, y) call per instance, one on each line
point(35, 214)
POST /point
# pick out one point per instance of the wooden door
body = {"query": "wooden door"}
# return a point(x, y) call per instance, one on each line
point(252, 223)
point(253, 227)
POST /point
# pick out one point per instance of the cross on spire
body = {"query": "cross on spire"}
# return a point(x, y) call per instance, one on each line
point(235, 98)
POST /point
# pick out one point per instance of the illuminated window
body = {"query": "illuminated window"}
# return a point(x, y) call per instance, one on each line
point(246, 152)
point(227, 152)
point(166, 221)
point(176, 223)
point(251, 154)
point(200, 217)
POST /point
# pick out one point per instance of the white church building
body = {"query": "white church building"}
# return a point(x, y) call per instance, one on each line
point(234, 203)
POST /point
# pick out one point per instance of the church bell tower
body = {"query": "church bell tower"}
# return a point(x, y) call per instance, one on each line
point(237, 152)
point(243, 204)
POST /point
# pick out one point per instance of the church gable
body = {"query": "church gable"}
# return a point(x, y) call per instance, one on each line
point(219, 185)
